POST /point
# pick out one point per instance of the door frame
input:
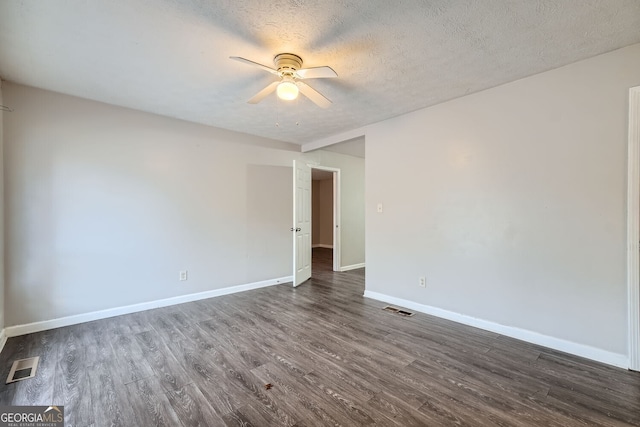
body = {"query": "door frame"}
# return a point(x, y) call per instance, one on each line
point(633, 229)
point(336, 213)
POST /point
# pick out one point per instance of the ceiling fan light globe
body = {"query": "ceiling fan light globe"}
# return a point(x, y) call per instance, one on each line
point(287, 91)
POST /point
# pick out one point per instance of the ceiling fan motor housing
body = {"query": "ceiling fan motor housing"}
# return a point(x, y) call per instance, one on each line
point(287, 63)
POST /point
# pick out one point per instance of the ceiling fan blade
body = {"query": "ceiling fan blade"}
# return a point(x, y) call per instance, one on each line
point(316, 73)
point(319, 99)
point(263, 93)
point(255, 64)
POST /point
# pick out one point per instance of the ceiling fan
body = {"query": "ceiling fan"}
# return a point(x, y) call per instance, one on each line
point(289, 70)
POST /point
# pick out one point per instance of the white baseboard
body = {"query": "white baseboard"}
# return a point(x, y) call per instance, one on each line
point(322, 245)
point(3, 339)
point(352, 267)
point(13, 331)
point(599, 355)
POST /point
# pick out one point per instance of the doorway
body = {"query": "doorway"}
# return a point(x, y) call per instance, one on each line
point(325, 215)
point(323, 220)
point(302, 221)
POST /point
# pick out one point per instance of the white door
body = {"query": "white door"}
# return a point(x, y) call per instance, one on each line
point(301, 222)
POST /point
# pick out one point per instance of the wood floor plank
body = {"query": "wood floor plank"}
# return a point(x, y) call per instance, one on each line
point(352, 338)
point(180, 321)
point(15, 348)
point(169, 371)
point(159, 319)
point(217, 317)
point(96, 342)
point(446, 410)
point(387, 377)
point(472, 400)
point(356, 385)
point(592, 381)
point(6, 396)
point(150, 405)
point(195, 312)
point(512, 348)
point(39, 390)
point(249, 388)
point(192, 407)
point(606, 408)
point(239, 344)
point(72, 385)
point(133, 323)
point(289, 390)
point(202, 369)
point(331, 357)
point(238, 419)
point(388, 410)
point(575, 414)
point(341, 398)
point(130, 361)
point(111, 406)
point(280, 352)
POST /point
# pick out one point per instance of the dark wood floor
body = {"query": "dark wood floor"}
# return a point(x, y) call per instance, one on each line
point(332, 357)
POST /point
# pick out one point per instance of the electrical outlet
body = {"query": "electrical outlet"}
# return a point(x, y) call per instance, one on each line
point(183, 275)
point(422, 282)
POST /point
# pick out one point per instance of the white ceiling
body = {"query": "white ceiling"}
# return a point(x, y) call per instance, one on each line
point(170, 57)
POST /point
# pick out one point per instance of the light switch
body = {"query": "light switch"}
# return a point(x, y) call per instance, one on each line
point(379, 207)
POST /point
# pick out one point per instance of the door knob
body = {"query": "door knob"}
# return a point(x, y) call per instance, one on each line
point(296, 229)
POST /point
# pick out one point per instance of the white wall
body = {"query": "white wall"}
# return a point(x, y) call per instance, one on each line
point(315, 212)
point(511, 202)
point(325, 189)
point(322, 212)
point(1, 212)
point(105, 205)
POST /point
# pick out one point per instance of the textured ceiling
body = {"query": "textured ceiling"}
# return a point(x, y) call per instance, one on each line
point(170, 57)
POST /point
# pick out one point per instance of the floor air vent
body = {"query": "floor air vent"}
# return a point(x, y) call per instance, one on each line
point(398, 311)
point(23, 369)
